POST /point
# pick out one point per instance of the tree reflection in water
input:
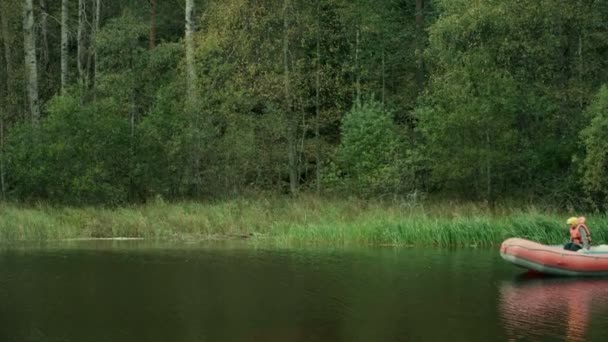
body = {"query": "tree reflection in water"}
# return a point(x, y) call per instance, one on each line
point(537, 307)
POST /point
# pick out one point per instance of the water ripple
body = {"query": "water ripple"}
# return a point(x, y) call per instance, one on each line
point(550, 307)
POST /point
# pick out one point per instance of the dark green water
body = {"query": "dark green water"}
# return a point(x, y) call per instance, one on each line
point(101, 291)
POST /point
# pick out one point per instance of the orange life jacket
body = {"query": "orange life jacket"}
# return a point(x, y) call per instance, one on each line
point(575, 233)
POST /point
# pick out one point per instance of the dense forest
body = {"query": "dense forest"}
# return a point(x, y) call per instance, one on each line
point(112, 101)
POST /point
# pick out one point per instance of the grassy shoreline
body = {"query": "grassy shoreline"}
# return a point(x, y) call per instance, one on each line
point(295, 221)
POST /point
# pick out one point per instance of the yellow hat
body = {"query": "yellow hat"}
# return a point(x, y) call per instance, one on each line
point(572, 221)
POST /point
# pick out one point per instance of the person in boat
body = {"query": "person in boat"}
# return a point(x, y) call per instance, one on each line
point(580, 236)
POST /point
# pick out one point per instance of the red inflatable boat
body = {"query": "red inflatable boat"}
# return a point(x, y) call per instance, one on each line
point(554, 259)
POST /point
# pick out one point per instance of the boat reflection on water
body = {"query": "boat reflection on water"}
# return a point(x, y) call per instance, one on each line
point(535, 308)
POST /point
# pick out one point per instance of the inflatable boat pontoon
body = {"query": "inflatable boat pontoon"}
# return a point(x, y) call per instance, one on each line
point(555, 260)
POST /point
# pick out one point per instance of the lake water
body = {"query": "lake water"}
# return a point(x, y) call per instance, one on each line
point(134, 291)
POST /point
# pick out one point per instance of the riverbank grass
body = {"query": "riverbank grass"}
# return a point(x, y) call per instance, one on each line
point(296, 221)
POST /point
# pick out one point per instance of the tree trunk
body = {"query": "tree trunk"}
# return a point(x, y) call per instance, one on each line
point(44, 30)
point(81, 48)
point(2, 177)
point(581, 68)
point(3, 111)
point(191, 84)
point(191, 72)
point(488, 168)
point(6, 39)
point(4, 93)
point(2, 173)
point(152, 24)
point(317, 102)
point(8, 90)
point(64, 46)
point(290, 117)
point(31, 65)
point(383, 69)
point(357, 71)
point(419, 44)
point(96, 20)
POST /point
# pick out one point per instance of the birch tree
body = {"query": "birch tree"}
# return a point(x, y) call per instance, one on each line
point(64, 45)
point(7, 83)
point(291, 120)
point(44, 33)
point(191, 72)
point(81, 47)
point(31, 65)
point(6, 42)
point(96, 20)
point(317, 99)
point(419, 44)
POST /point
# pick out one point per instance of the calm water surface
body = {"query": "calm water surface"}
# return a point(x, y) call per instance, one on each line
point(133, 291)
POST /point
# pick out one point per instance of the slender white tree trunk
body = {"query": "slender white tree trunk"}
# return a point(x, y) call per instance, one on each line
point(290, 117)
point(64, 45)
point(581, 68)
point(2, 177)
point(5, 94)
point(31, 67)
point(96, 20)
point(7, 88)
point(191, 72)
point(419, 47)
point(6, 40)
point(357, 71)
point(44, 33)
point(383, 70)
point(191, 84)
point(488, 167)
point(81, 48)
point(317, 101)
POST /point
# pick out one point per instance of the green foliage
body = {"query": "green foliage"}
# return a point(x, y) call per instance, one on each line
point(470, 130)
point(506, 88)
point(76, 156)
point(479, 101)
point(121, 42)
point(171, 157)
point(145, 85)
point(369, 152)
point(595, 141)
point(123, 59)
